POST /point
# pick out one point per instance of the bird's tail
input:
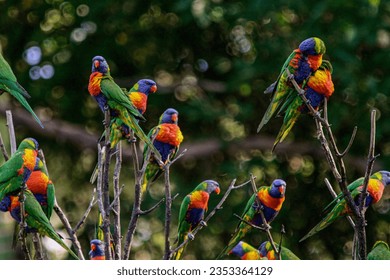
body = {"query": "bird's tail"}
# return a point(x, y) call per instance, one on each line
point(233, 242)
point(178, 253)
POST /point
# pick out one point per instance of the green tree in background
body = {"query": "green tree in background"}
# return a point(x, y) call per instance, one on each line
point(212, 61)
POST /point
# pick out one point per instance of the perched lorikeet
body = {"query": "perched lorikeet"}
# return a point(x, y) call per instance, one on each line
point(8, 83)
point(16, 171)
point(318, 87)
point(110, 96)
point(138, 96)
point(192, 211)
point(97, 250)
point(167, 142)
point(246, 251)
point(376, 185)
point(35, 218)
point(380, 251)
point(270, 200)
point(266, 251)
point(301, 63)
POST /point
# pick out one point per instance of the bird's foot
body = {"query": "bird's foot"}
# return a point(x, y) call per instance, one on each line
point(266, 227)
point(203, 223)
point(191, 236)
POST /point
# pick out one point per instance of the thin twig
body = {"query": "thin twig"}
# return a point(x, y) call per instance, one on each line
point(3, 149)
point(23, 223)
point(168, 210)
point(84, 217)
point(11, 131)
point(117, 237)
point(210, 215)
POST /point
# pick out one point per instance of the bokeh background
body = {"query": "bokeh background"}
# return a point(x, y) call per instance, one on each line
point(212, 60)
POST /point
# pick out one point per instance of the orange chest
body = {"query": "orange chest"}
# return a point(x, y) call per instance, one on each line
point(37, 182)
point(94, 83)
point(199, 199)
point(315, 61)
point(170, 133)
point(29, 160)
point(375, 188)
point(321, 82)
point(269, 201)
point(139, 101)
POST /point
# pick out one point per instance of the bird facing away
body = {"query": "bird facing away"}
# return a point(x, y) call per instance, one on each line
point(266, 251)
point(8, 83)
point(167, 141)
point(269, 199)
point(245, 251)
point(318, 87)
point(15, 172)
point(97, 250)
point(380, 251)
point(301, 63)
point(36, 219)
point(192, 211)
point(376, 185)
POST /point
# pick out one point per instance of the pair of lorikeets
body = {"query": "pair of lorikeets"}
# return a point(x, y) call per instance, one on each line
point(25, 168)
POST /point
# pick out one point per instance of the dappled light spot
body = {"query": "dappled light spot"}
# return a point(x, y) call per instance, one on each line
point(33, 55)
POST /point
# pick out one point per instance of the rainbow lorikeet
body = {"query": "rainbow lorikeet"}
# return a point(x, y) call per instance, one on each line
point(318, 87)
point(380, 251)
point(16, 171)
point(97, 250)
point(36, 219)
point(266, 251)
point(167, 142)
point(192, 210)
point(8, 83)
point(376, 185)
point(301, 63)
point(110, 96)
point(270, 200)
point(245, 251)
point(138, 96)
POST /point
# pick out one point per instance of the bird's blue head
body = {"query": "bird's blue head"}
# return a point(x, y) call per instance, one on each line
point(170, 116)
point(212, 186)
point(385, 177)
point(312, 46)
point(238, 250)
point(97, 248)
point(278, 188)
point(146, 86)
point(99, 64)
point(263, 249)
point(29, 143)
point(5, 204)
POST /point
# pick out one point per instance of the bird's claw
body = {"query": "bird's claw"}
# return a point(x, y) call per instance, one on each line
point(191, 236)
point(203, 223)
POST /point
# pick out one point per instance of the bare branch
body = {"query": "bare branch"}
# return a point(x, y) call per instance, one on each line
point(3, 149)
point(11, 131)
point(84, 217)
point(37, 246)
point(115, 205)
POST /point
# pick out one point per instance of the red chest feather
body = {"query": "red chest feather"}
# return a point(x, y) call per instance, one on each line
point(139, 101)
point(170, 134)
point(294, 62)
point(315, 61)
point(375, 188)
point(94, 83)
point(199, 199)
point(269, 201)
point(321, 82)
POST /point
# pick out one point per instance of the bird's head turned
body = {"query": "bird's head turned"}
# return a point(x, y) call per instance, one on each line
point(170, 116)
point(28, 143)
point(326, 65)
point(384, 177)
point(212, 186)
point(146, 86)
point(97, 248)
point(238, 249)
point(5, 204)
point(263, 249)
point(312, 46)
point(278, 188)
point(99, 64)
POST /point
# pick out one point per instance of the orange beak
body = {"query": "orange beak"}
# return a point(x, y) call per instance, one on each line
point(153, 89)
point(93, 247)
point(217, 190)
point(96, 63)
point(282, 189)
point(174, 117)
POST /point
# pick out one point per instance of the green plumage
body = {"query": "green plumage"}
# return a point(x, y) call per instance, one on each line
point(12, 175)
point(37, 219)
point(380, 251)
point(8, 83)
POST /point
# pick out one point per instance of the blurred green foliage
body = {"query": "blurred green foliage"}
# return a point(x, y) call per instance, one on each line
point(211, 59)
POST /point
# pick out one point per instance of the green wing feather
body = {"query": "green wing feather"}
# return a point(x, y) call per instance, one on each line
point(36, 218)
point(380, 251)
point(50, 199)
point(183, 227)
point(10, 181)
point(5, 69)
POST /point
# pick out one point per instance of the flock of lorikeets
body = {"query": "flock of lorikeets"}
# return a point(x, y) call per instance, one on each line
point(24, 178)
